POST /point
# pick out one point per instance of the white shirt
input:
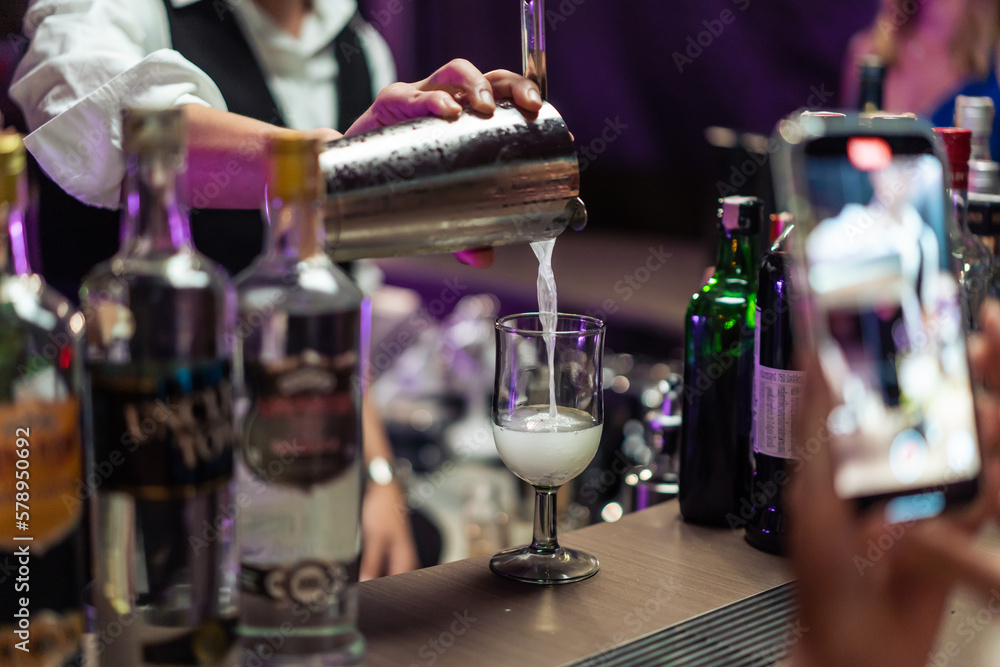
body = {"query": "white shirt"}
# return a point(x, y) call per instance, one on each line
point(89, 59)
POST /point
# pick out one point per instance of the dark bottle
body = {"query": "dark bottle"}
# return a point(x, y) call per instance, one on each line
point(872, 83)
point(984, 223)
point(718, 372)
point(43, 546)
point(159, 316)
point(777, 395)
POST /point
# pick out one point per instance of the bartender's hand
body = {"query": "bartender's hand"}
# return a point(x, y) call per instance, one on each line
point(444, 93)
point(388, 539)
point(860, 607)
point(387, 546)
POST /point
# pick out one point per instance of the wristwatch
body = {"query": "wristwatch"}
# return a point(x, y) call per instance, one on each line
point(380, 471)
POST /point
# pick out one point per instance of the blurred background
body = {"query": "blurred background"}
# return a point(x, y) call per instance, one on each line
point(640, 84)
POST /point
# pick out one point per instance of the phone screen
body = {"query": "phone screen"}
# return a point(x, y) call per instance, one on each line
point(886, 311)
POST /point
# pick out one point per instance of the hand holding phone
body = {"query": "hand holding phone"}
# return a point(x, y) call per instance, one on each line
point(883, 313)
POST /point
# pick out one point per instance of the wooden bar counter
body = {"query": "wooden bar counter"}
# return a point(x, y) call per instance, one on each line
point(656, 571)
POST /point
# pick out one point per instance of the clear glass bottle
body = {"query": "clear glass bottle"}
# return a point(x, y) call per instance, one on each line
point(159, 314)
point(301, 466)
point(718, 373)
point(43, 549)
point(972, 258)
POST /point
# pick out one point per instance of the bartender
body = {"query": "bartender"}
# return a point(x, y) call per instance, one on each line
point(244, 72)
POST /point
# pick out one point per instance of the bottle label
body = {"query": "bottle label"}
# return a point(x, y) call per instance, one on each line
point(777, 401)
point(314, 584)
point(54, 640)
point(156, 432)
point(40, 463)
point(304, 422)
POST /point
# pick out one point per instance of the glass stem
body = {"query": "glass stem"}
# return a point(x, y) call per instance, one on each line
point(544, 538)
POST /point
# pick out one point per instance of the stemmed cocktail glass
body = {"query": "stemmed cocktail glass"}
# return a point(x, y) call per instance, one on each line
point(547, 433)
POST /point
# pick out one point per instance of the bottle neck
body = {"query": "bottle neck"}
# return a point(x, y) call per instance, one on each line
point(296, 229)
point(153, 221)
point(737, 255)
point(960, 204)
point(13, 241)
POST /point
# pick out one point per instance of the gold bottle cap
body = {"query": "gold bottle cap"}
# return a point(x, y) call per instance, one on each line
point(153, 130)
point(294, 168)
point(12, 163)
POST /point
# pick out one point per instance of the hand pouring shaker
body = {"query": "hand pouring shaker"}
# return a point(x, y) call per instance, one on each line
point(433, 185)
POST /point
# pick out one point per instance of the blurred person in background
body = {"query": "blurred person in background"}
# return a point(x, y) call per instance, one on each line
point(934, 50)
point(243, 71)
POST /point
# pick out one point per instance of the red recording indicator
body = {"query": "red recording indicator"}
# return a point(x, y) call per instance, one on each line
point(869, 153)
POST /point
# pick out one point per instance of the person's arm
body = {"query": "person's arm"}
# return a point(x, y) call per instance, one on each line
point(233, 147)
point(388, 538)
point(224, 143)
point(88, 60)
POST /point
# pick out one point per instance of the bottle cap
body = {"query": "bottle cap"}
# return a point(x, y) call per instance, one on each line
point(958, 145)
point(153, 130)
point(984, 177)
point(974, 113)
point(294, 168)
point(12, 163)
point(883, 120)
point(741, 215)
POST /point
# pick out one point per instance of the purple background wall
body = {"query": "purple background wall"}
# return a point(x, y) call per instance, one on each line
point(614, 75)
point(611, 63)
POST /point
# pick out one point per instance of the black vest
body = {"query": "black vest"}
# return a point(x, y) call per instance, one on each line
point(74, 237)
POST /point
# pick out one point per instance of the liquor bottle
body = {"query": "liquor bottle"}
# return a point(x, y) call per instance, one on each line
point(984, 222)
point(872, 83)
point(972, 259)
point(43, 548)
point(777, 395)
point(300, 464)
point(718, 372)
point(165, 567)
point(976, 115)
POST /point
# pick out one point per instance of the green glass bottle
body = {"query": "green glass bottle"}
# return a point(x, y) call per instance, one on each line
point(718, 373)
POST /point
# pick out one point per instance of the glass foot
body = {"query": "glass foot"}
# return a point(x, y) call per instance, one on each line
point(561, 566)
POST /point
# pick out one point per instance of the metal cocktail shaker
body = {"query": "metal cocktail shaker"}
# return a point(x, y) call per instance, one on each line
point(433, 185)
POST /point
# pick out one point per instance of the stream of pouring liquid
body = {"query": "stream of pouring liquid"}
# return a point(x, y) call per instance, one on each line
point(547, 312)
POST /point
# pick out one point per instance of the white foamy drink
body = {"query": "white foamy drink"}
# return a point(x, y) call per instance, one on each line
point(544, 451)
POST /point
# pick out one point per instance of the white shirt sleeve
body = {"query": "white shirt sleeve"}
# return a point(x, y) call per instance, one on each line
point(88, 60)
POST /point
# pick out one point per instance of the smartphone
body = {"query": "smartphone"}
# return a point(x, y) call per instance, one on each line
point(883, 308)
